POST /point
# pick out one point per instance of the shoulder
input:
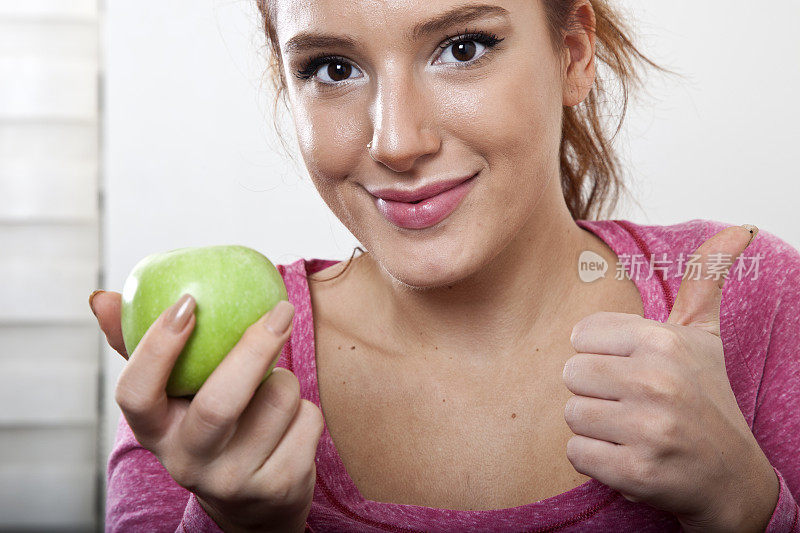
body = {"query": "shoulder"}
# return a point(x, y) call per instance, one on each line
point(296, 273)
point(681, 236)
point(298, 350)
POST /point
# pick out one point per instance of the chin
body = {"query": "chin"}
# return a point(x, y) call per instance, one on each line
point(427, 273)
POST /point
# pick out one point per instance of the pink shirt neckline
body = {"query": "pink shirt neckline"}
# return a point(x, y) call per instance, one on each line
point(338, 487)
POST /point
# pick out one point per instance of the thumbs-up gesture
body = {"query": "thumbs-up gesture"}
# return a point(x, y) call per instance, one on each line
point(654, 415)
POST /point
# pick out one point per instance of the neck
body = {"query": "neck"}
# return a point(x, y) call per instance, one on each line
point(504, 306)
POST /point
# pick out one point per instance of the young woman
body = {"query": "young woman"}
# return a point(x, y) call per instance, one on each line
point(500, 358)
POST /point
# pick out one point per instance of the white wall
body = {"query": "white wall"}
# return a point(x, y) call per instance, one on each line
point(49, 262)
point(188, 136)
point(722, 144)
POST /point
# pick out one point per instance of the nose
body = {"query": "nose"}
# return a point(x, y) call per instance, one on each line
point(403, 130)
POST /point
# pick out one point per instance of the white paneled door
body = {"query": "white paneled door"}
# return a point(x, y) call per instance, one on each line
point(50, 466)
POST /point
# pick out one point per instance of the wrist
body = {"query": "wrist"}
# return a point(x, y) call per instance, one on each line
point(218, 518)
point(759, 505)
point(748, 510)
point(295, 525)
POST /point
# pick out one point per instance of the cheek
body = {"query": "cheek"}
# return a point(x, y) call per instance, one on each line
point(512, 117)
point(530, 126)
point(330, 139)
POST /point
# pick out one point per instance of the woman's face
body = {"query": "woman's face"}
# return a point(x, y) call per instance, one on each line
point(433, 110)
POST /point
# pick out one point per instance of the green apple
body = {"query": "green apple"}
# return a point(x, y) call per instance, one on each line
point(233, 287)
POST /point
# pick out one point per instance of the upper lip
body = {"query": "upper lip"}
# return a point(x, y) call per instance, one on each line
point(421, 193)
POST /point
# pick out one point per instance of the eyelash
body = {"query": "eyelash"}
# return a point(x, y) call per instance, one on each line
point(489, 40)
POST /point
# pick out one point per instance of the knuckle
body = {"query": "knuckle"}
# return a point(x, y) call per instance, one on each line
point(255, 350)
point(258, 345)
point(184, 474)
point(580, 327)
point(575, 335)
point(258, 335)
point(571, 410)
point(130, 400)
point(227, 486)
point(300, 477)
point(568, 374)
point(303, 484)
point(572, 450)
point(658, 339)
point(576, 456)
point(663, 432)
point(287, 485)
point(646, 478)
point(281, 489)
point(261, 333)
point(212, 413)
point(637, 472)
point(658, 387)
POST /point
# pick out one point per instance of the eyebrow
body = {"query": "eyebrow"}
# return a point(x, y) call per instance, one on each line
point(459, 14)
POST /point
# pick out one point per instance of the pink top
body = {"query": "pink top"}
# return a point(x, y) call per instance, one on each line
point(760, 332)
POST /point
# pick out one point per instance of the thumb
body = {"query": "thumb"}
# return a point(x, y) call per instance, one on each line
point(700, 294)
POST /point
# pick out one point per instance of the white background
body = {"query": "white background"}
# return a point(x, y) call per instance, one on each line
point(49, 262)
point(190, 157)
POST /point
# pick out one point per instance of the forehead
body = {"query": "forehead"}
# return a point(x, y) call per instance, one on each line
point(305, 24)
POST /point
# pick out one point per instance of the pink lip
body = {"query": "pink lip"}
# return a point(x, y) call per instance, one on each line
point(422, 193)
point(428, 212)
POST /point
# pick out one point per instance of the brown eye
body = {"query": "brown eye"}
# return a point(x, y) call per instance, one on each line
point(468, 48)
point(339, 71)
point(464, 51)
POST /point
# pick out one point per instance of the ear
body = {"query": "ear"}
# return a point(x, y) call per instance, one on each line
point(579, 50)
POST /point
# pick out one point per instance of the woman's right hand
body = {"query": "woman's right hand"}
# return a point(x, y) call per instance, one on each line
point(245, 448)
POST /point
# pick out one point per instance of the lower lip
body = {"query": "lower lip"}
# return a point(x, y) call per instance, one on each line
point(426, 213)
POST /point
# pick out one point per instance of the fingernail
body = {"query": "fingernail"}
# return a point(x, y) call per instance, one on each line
point(280, 317)
point(753, 232)
point(180, 313)
point(91, 297)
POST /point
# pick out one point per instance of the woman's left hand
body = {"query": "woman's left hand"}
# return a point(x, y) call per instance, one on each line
point(654, 413)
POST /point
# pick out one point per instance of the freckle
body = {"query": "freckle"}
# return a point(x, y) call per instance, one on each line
point(352, 347)
point(537, 349)
point(340, 347)
point(435, 347)
point(342, 382)
point(513, 415)
point(442, 400)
